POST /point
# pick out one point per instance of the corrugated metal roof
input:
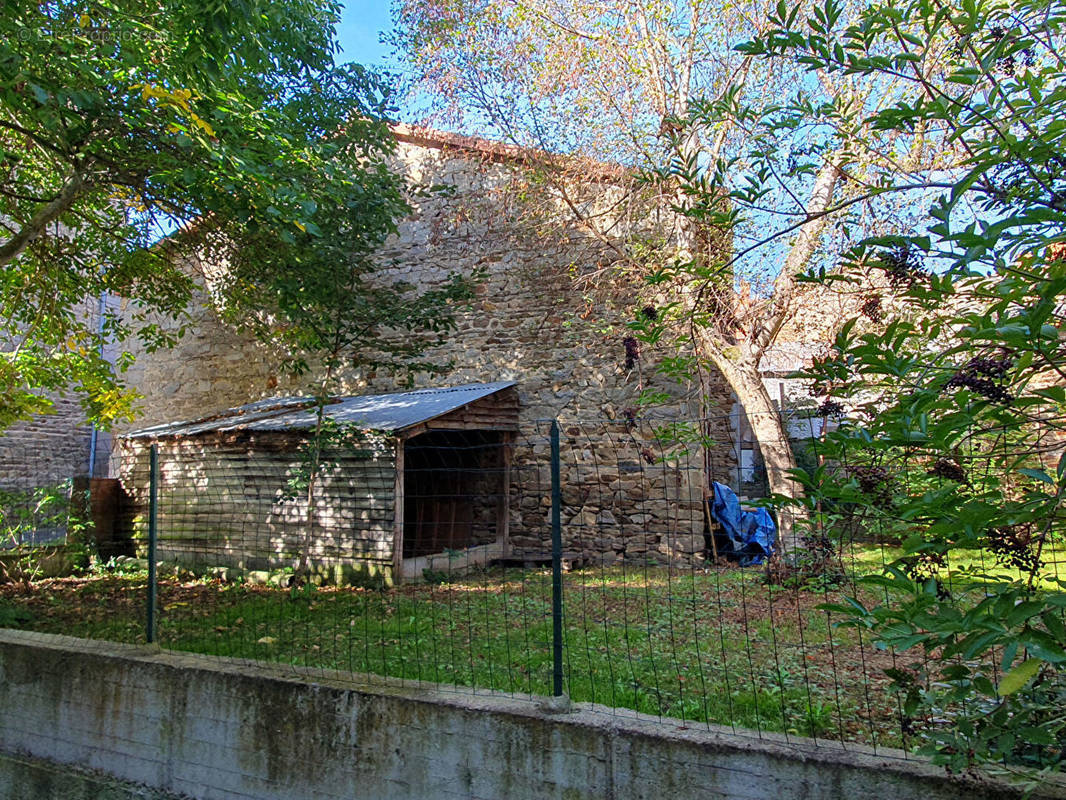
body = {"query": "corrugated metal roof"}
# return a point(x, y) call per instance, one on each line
point(377, 412)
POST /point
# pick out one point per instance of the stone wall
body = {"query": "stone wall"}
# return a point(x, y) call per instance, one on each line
point(531, 322)
point(223, 729)
point(55, 447)
point(48, 449)
point(40, 458)
point(534, 321)
point(626, 497)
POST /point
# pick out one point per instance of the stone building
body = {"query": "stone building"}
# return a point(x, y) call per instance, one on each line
point(550, 315)
point(537, 321)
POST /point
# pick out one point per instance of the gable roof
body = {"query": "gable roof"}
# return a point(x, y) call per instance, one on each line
point(378, 412)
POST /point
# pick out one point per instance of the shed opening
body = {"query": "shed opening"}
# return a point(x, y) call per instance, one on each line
point(455, 491)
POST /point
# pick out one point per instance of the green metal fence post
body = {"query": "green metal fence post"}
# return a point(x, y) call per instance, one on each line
point(557, 566)
point(153, 521)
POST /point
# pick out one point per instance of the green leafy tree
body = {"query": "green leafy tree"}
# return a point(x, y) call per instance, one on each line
point(120, 121)
point(954, 383)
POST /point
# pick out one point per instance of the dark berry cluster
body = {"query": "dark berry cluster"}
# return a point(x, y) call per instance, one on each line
point(1009, 62)
point(1013, 547)
point(650, 313)
point(632, 351)
point(819, 547)
point(984, 376)
point(992, 367)
point(873, 482)
point(904, 265)
point(985, 387)
point(830, 408)
point(948, 469)
point(871, 308)
point(924, 565)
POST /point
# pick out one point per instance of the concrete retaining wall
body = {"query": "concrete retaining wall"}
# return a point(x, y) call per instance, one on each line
point(37, 779)
point(219, 728)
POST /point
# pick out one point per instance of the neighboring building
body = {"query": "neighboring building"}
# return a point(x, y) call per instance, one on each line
point(55, 447)
point(48, 449)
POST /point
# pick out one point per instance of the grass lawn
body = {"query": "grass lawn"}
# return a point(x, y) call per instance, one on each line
point(719, 645)
point(716, 646)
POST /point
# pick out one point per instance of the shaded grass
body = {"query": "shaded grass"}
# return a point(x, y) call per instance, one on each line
point(963, 565)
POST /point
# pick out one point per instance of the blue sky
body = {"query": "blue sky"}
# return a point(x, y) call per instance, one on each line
point(361, 24)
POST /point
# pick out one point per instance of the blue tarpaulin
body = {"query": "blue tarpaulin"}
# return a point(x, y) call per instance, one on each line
point(751, 533)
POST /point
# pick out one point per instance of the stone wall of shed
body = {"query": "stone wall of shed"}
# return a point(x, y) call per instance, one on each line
point(226, 502)
point(626, 498)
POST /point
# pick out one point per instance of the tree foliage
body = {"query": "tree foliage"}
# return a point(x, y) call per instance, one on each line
point(123, 120)
point(953, 384)
point(619, 82)
point(535, 72)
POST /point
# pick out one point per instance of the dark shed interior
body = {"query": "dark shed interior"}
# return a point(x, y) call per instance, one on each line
point(454, 483)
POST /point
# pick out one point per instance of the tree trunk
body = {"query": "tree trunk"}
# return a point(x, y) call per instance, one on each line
point(768, 426)
point(742, 373)
point(316, 460)
point(316, 466)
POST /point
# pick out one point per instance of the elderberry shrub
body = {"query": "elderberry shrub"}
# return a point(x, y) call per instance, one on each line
point(949, 469)
point(1013, 546)
point(632, 351)
point(874, 482)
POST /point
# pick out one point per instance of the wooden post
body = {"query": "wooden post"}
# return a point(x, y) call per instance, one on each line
point(397, 517)
point(503, 507)
point(708, 499)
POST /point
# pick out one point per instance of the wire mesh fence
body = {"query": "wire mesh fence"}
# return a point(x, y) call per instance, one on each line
point(581, 557)
point(44, 511)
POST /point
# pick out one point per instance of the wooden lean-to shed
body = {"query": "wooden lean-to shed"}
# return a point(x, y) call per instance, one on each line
point(414, 481)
